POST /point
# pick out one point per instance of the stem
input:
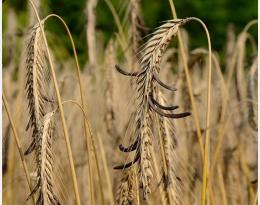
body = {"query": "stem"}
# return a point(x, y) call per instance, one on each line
point(65, 130)
point(187, 75)
point(207, 140)
point(82, 97)
point(18, 144)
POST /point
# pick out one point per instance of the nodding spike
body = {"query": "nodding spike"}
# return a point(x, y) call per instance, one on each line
point(162, 106)
point(129, 164)
point(130, 148)
point(168, 115)
point(156, 78)
point(122, 71)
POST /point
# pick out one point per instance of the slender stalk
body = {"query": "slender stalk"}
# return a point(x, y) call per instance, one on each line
point(207, 139)
point(187, 75)
point(82, 97)
point(65, 129)
point(18, 144)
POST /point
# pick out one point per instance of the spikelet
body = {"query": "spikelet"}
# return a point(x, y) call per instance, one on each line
point(145, 159)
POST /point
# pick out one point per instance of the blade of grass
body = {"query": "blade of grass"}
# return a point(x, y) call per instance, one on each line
point(207, 134)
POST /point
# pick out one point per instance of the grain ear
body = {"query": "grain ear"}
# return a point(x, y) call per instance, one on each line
point(146, 81)
point(37, 81)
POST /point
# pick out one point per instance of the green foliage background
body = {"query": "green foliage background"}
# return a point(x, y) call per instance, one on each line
point(217, 14)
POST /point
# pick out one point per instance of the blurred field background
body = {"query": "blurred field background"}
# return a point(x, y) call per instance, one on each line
point(110, 103)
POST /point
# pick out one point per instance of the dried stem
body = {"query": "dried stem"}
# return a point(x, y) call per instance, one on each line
point(65, 129)
point(187, 75)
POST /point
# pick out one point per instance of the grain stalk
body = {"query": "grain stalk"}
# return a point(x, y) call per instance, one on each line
point(187, 75)
point(206, 149)
point(88, 134)
point(65, 130)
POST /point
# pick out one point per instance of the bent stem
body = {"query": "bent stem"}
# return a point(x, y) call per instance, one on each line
point(65, 129)
point(207, 140)
point(18, 144)
point(187, 75)
point(82, 98)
